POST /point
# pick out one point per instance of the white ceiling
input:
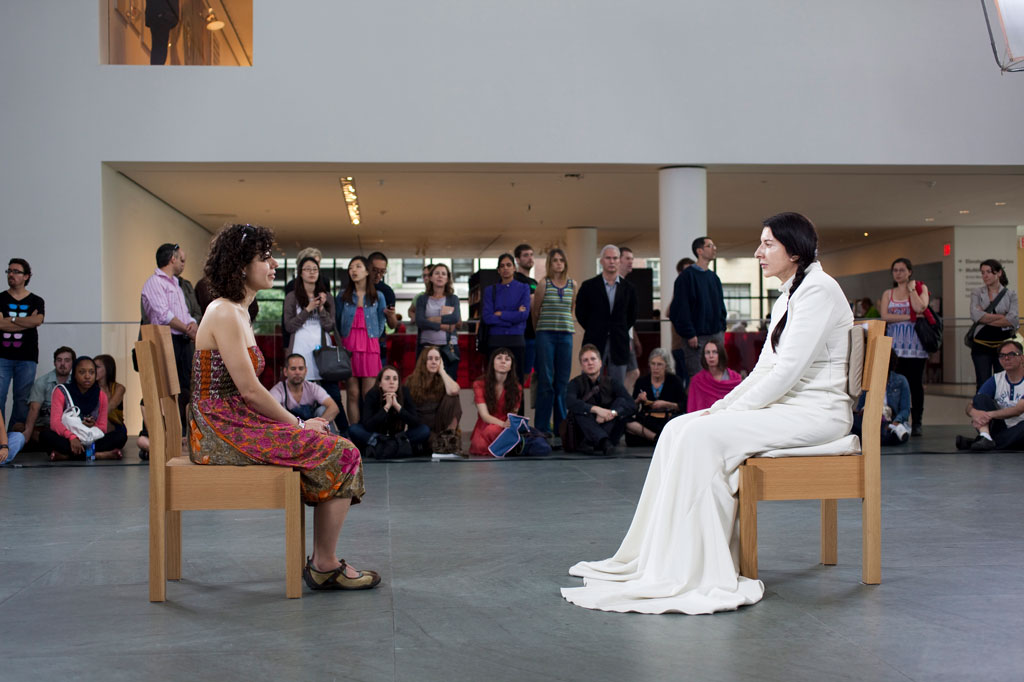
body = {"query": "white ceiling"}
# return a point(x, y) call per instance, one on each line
point(481, 210)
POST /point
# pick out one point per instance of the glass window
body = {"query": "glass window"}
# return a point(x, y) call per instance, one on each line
point(462, 268)
point(412, 270)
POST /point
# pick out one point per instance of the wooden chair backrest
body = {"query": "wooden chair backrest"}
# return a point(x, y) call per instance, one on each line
point(159, 377)
point(875, 330)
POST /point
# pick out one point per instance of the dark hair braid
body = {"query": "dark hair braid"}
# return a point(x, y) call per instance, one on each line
point(797, 235)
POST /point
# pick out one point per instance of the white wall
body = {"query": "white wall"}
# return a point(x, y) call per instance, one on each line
point(652, 81)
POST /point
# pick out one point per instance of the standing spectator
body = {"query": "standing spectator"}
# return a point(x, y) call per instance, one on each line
point(553, 319)
point(496, 394)
point(994, 311)
point(678, 356)
point(10, 444)
point(900, 307)
point(388, 410)
point(42, 390)
point(438, 317)
point(161, 17)
point(92, 407)
point(426, 280)
point(524, 265)
point(302, 398)
point(360, 321)
point(697, 310)
point(290, 285)
point(659, 397)
point(309, 316)
point(379, 267)
point(436, 395)
point(21, 313)
point(599, 405)
point(506, 307)
point(635, 349)
point(106, 379)
point(714, 381)
point(163, 303)
point(606, 310)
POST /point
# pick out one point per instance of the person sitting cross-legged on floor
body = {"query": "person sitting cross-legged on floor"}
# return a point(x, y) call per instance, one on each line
point(388, 410)
point(302, 398)
point(91, 402)
point(997, 411)
point(598, 405)
point(896, 414)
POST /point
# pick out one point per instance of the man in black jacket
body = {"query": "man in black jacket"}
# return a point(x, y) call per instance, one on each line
point(606, 309)
point(599, 406)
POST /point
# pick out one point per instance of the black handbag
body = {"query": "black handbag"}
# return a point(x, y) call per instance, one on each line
point(390, 447)
point(969, 336)
point(929, 331)
point(332, 361)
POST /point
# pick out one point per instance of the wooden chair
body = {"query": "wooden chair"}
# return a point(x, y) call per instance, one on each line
point(176, 484)
point(819, 474)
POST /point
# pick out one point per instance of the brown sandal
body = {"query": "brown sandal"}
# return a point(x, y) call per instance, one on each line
point(336, 579)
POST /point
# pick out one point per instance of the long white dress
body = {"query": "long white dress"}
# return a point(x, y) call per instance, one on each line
point(681, 551)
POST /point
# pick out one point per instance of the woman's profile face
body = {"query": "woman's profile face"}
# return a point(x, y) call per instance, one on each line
point(711, 355)
point(310, 272)
point(900, 273)
point(658, 366)
point(389, 381)
point(988, 275)
point(433, 361)
point(773, 257)
point(502, 363)
point(259, 273)
point(85, 375)
point(101, 373)
point(356, 271)
point(557, 263)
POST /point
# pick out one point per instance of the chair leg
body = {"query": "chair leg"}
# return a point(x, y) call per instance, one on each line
point(295, 531)
point(173, 545)
point(157, 550)
point(829, 533)
point(871, 550)
point(748, 521)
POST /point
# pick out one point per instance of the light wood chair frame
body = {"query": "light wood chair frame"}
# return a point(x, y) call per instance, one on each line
point(828, 478)
point(176, 484)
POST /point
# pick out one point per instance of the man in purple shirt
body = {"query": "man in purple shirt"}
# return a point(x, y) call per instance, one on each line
point(163, 303)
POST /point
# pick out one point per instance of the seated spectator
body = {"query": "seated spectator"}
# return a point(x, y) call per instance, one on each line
point(437, 401)
point(388, 409)
point(302, 398)
point(896, 414)
point(598, 405)
point(659, 397)
point(10, 444)
point(42, 390)
point(997, 411)
point(496, 393)
point(714, 381)
point(92, 407)
point(106, 377)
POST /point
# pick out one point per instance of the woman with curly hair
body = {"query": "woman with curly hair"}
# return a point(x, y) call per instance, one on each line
point(496, 394)
point(437, 398)
point(361, 321)
point(234, 420)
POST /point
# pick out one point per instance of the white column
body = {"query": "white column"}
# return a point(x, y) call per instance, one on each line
point(682, 217)
point(581, 253)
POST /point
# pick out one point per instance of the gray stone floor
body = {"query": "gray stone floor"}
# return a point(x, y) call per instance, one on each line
point(473, 554)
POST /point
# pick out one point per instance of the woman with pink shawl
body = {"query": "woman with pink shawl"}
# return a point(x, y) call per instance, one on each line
point(714, 381)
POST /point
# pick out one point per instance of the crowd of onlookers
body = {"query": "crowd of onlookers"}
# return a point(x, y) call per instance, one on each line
point(525, 330)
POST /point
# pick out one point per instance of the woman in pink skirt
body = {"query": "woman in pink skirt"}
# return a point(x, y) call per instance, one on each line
point(360, 322)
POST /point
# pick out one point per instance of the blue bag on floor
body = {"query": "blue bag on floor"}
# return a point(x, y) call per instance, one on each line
point(519, 439)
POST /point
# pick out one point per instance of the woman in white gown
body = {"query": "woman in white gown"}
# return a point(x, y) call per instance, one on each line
point(680, 552)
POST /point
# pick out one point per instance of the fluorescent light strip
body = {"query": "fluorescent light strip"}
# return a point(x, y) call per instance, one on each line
point(348, 188)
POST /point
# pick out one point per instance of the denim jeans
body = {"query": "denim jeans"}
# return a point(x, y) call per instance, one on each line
point(23, 374)
point(554, 362)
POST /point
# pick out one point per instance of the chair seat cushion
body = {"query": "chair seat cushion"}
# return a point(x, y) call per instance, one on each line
point(847, 445)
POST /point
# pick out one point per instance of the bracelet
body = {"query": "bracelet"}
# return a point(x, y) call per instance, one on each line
point(5, 445)
point(301, 424)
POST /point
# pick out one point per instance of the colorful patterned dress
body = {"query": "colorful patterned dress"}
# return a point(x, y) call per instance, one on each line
point(905, 342)
point(223, 429)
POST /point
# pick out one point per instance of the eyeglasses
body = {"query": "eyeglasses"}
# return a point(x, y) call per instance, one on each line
point(1003, 356)
point(311, 270)
point(380, 271)
point(14, 272)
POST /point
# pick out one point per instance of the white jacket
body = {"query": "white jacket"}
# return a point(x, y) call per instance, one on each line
point(810, 368)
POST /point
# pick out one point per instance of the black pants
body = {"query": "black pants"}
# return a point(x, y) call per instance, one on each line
point(1005, 437)
point(183, 363)
point(593, 433)
point(54, 441)
point(986, 363)
point(913, 370)
point(341, 421)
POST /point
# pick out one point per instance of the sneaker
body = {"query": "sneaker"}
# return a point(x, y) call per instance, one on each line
point(965, 443)
point(983, 444)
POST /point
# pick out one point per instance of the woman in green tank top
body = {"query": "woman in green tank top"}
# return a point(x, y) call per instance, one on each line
point(553, 317)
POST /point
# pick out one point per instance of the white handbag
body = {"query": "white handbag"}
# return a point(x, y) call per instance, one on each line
point(72, 421)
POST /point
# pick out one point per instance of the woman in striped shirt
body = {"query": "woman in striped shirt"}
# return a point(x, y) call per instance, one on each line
point(553, 317)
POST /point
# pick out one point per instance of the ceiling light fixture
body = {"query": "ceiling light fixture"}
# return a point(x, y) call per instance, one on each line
point(348, 187)
point(1005, 20)
point(1000, 203)
point(929, 220)
point(865, 234)
point(212, 22)
point(964, 212)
